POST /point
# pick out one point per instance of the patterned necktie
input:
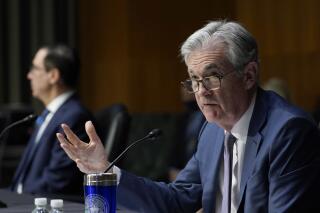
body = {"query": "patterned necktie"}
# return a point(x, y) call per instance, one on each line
point(227, 174)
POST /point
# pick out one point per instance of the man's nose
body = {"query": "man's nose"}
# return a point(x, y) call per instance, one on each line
point(29, 75)
point(203, 90)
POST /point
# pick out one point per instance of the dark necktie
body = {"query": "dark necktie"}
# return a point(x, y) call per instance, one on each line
point(227, 174)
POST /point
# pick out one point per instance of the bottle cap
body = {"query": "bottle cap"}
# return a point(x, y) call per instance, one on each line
point(42, 201)
point(56, 203)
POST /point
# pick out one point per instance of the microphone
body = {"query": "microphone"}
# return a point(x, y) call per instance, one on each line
point(28, 118)
point(152, 135)
point(2, 145)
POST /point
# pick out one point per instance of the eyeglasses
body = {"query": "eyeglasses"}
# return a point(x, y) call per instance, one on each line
point(34, 67)
point(209, 83)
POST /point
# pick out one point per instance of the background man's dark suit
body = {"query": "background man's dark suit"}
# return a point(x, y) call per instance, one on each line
point(50, 170)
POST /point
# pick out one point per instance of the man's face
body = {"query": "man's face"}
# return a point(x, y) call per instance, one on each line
point(38, 76)
point(225, 105)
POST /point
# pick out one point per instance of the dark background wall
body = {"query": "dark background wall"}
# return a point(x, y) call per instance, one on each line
point(129, 49)
point(24, 27)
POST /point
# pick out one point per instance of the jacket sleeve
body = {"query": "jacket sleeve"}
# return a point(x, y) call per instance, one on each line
point(294, 172)
point(143, 195)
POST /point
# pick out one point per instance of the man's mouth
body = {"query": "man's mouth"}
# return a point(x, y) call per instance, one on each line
point(209, 104)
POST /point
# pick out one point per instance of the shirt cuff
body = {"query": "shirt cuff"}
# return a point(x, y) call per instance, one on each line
point(117, 171)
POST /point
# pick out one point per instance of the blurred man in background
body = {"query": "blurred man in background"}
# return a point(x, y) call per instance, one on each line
point(278, 86)
point(44, 167)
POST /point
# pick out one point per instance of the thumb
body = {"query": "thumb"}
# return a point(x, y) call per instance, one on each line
point(91, 131)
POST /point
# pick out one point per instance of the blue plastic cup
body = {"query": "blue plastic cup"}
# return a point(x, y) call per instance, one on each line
point(100, 192)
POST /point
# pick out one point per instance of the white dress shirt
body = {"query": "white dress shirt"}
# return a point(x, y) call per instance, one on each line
point(240, 131)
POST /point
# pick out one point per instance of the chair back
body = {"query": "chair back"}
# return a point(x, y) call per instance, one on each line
point(151, 159)
point(112, 127)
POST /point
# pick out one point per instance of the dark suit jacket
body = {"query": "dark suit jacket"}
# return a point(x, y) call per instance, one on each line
point(49, 169)
point(281, 170)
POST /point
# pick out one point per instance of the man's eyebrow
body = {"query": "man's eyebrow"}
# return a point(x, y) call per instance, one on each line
point(211, 66)
point(211, 69)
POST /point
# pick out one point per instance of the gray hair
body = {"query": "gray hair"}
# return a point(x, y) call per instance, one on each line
point(241, 47)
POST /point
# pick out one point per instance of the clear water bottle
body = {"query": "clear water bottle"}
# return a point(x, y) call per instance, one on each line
point(40, 205)
point(56, 206)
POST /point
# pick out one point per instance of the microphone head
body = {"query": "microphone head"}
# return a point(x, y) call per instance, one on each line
point(30, 117)
point(154, 134)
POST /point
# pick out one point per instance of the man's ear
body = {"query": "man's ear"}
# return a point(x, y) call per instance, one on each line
point(250, 74)
point(54, 76)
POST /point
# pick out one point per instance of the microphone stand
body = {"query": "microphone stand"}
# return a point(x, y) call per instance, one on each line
point(28, 118)
point(5, 130)
point(151, 136)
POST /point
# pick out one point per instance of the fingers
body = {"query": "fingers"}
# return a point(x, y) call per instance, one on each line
point(91, 131)
point(73, 139)
point(66, 146)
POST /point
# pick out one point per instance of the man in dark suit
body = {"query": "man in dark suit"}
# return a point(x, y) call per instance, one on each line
point(256, 152)
point(44, 167)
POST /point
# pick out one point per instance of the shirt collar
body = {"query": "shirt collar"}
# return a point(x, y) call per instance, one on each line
point(54, 105)
point(240, 129)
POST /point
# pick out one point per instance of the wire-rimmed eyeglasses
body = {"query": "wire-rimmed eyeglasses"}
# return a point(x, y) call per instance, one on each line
point(212, 82)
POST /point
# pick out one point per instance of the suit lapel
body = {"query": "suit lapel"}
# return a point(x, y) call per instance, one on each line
point(251, 150)
point(254, 139)
point(217, 156)
point(210, 154)
point(55, 121)
point(49, 130)
point(27, 157)
point(24, 160)
point(35, 146)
